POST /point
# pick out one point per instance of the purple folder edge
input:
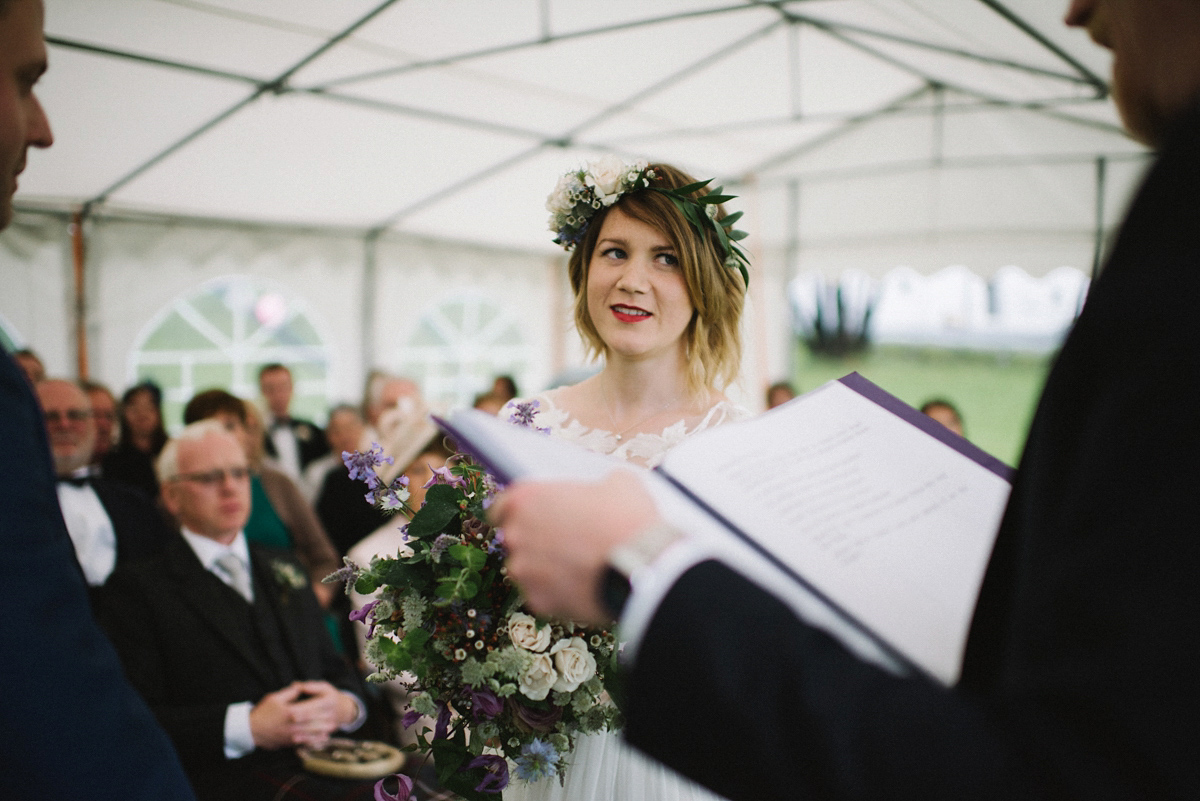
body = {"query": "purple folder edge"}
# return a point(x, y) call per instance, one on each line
point(933, 428)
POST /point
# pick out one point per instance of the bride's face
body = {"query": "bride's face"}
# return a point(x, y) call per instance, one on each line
point(636, 294)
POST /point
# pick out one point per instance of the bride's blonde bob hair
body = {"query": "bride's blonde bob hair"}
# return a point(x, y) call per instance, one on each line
point(713, 338)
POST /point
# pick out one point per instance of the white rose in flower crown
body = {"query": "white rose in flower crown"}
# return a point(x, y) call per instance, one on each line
point(537, 681)
point(607, 176)
point(559, 200)
point(574, 662)
point(524, 632)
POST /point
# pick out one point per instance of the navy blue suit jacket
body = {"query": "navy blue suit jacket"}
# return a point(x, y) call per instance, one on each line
point(73, 725)
point(1079, 680)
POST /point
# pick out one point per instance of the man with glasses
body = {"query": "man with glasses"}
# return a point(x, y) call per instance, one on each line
point(109, 524)
point(224, 638)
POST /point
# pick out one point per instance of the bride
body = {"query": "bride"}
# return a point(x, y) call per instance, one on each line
point(659, 286)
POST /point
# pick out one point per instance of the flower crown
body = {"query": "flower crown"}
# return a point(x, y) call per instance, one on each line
point(579, 194)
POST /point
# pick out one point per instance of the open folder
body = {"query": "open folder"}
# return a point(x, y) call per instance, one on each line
point(869, 519)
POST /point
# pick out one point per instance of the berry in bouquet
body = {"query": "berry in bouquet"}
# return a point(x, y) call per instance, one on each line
point(509, 692)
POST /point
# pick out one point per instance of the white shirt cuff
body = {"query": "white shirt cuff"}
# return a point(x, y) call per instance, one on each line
point(239, 740)
point(650, 585)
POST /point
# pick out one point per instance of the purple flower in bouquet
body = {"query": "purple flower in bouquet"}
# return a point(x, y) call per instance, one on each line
point(410, 718)
point(440, 545)
point(535, 719)
point(360, 616)
point(523, 415)
point(496, 778)
point(485, 705)
point(442, 727)
point(443, 475)
point(403, 790)
point(362, 464)
point(537, 760)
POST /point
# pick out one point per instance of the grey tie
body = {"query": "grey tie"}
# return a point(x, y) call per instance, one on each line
point(238, 576)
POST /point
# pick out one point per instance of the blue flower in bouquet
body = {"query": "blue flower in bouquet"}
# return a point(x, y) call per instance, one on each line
point(523, 415)
point(538, 759)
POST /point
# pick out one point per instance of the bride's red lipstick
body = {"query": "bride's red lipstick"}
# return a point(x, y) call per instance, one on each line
point(630, 314)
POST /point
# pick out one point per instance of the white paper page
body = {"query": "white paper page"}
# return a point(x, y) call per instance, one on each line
point(520, 453)
point(893, 525)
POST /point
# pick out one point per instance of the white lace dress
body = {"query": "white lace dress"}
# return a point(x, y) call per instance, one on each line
point(603, 767)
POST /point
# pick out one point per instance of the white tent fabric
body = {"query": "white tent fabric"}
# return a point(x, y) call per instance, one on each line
point(860, 134)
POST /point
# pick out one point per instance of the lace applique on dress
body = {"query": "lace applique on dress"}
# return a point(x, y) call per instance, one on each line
point(643, 448)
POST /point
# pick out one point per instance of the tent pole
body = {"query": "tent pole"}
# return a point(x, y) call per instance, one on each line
point(367, 302)
point(80, 305)
point(1098, 244)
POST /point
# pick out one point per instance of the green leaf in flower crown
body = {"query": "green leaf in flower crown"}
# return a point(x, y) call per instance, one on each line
point(441, 506)
point(729, 219)
point(737, 236)
point(468, 556)
point(690, 188)
point(714, 199)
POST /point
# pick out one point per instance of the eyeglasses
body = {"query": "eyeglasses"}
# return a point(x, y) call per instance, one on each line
point(69, 416)
point(213, 478)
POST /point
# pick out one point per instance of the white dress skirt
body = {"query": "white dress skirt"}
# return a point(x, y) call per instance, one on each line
point(602, 766)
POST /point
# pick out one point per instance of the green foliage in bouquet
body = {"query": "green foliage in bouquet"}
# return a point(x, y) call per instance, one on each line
point(509, 693)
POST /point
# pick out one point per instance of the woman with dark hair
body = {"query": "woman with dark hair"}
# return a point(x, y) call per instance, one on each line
point(142, 436)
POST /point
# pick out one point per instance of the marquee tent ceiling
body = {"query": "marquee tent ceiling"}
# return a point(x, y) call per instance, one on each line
point(452, 118)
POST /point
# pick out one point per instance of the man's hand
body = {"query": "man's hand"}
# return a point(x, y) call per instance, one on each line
point(559, 535)
point(303, 713)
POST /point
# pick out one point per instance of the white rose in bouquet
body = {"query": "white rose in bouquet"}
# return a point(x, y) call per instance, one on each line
point(524, 632)
point(607, 176)
point(574, 663)
point(537, 681)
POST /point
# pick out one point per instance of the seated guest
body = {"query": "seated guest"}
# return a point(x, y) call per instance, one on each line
point(31, 365)
point(779, 393)
point(223, 637)
point(142, 437)
point(504, 387)
point(293, 443)
point(343, 511)
point(346, 432)
point(104, 418)
point(109, 524)
point(279, 515)
point(385, 394)
point(945, 413)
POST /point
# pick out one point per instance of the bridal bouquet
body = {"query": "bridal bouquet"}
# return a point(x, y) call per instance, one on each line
point(509, 692)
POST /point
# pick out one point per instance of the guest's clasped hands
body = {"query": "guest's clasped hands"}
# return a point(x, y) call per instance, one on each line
point(302, 713)
point(559, 536)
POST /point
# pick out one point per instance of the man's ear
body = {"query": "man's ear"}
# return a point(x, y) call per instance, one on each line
point(168, 494)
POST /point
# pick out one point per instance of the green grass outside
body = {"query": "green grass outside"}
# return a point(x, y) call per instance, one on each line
point(996, 393)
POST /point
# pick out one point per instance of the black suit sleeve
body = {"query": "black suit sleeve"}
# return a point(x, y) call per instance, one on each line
point(732, 690)
point(74, 727)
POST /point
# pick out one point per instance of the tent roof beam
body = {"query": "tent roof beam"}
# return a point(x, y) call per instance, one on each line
point(1022, 25)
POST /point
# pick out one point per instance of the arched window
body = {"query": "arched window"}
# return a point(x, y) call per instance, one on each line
point(460, 345)
point(221, 334)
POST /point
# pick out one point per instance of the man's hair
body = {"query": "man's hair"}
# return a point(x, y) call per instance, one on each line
point(212, 402)
point(268, 368)
point(167, 465)
point(346, 408)
point(94, 386)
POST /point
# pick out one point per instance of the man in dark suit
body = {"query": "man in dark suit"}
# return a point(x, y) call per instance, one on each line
point(291, 442)
point(223, 638)
point(109, 523)
point(1077, 681)
point(74, 725)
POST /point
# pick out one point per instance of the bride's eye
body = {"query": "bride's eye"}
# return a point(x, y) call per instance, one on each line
point(668, 259)
point(613, 253)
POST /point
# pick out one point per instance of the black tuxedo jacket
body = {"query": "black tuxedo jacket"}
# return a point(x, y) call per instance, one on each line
point(141, 529)
point(1079, 680)
point(310, 441)
point(74, 727)
point(192, 646)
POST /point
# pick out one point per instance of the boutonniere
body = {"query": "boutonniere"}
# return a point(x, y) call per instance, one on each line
point(288, 576)
point(303, 432)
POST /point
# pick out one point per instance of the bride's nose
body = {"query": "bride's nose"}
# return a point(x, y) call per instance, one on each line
point(633, 277)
